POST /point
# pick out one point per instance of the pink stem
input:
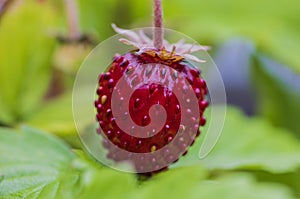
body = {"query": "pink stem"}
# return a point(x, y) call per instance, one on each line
point(158, 32)
point(2, 5)
point(72, 19)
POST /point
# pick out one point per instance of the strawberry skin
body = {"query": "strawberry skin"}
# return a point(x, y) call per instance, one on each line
point(131, 68)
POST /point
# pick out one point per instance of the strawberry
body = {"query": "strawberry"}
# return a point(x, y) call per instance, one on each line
point(144, 103)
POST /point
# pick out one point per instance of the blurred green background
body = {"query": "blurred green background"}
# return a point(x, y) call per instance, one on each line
point(256, 46)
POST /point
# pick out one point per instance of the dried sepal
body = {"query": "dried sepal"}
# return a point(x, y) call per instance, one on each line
point(143, 43)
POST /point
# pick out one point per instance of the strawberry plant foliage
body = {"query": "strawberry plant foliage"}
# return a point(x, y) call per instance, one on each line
point(56, 116)
point(24, 60)
point(33, 164)
point(37, 165)
point(249, 143)
point(230, 186)
point(272, 82)
point(41, 166)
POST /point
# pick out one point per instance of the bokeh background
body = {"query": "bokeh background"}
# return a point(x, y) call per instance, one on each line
point(256, 46)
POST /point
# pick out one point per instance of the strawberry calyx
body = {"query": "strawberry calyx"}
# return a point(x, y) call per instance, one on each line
point(169, 52)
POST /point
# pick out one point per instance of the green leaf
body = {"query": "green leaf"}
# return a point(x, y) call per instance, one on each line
point(177, 183)
point(190, 182)
point(248, 143)
point(288, 179)
point(37, 165)
point(55, 116)
point(25, 56)
point(107, 183)
point(241, 185)
point(278, 98)
point(34, 164)
point(99, 181)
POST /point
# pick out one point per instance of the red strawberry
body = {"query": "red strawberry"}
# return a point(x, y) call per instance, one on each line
point(129, 90)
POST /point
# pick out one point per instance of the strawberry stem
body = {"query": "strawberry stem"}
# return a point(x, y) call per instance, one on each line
point(4, 4)
point(72, 19)
point(158, 32)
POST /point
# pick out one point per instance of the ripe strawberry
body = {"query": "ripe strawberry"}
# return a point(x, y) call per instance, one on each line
point(155, 77)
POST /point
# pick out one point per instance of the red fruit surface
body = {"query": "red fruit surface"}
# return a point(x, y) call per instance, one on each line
point(131, 69)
